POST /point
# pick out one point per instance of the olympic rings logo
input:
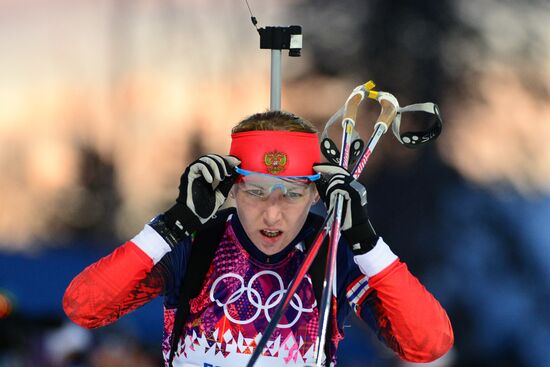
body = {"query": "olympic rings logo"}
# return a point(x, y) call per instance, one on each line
point(255, 299)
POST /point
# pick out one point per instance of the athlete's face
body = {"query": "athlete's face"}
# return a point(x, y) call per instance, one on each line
point(272, 215)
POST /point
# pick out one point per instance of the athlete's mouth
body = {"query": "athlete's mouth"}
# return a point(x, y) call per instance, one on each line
point(270, 234)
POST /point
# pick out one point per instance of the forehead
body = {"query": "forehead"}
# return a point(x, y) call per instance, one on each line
point(262, 181)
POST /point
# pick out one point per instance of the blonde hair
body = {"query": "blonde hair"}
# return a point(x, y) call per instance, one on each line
point(274, 120)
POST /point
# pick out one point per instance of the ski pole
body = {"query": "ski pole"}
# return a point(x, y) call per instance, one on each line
point(348, 123)
point(389, 111)
point(385, 115)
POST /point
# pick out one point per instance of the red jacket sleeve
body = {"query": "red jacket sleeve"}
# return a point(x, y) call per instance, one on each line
point(410, 320)
point(112, 287)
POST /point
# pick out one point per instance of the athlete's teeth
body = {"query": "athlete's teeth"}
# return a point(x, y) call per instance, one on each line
point(271, 233)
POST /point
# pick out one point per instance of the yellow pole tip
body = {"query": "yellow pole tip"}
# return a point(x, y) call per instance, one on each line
point(369, 85)
point(373, 94)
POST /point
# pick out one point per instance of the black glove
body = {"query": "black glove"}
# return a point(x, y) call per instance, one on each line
point(356, 227)
point(203, 189)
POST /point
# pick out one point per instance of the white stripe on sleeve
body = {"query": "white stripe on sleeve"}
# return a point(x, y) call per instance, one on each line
point(150, 242)
point(376, 260)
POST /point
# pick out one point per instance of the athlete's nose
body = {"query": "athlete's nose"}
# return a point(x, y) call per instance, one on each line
point(273, 211)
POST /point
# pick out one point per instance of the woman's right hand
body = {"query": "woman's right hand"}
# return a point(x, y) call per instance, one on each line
point(203, 189)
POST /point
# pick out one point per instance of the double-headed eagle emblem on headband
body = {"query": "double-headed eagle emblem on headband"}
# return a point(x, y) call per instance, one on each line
point(275, 162)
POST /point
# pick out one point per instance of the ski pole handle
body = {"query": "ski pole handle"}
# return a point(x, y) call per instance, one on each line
point(390, 106)
point(387, 115)
point(352, 105)
point(348, 123)
point(354, 100)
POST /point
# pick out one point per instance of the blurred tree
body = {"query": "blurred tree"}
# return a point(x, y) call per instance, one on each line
point(86, 212)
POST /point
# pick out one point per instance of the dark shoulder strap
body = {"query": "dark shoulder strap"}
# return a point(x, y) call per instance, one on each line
point(317, 269)
point(203, 249)
point(317, 274)
point(204, 246)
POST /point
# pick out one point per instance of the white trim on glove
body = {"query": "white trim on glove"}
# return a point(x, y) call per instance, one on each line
point(376, 260)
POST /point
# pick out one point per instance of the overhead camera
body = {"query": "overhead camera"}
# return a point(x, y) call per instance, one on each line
point(282, 38)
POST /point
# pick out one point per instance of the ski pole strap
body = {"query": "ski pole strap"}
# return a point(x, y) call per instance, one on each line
point(329, 148)
point(415, 138)
point(410, 139)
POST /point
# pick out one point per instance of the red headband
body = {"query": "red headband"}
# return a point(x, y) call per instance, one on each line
point(280, 153)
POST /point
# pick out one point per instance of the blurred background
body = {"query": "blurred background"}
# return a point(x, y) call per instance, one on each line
point(103, 104)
